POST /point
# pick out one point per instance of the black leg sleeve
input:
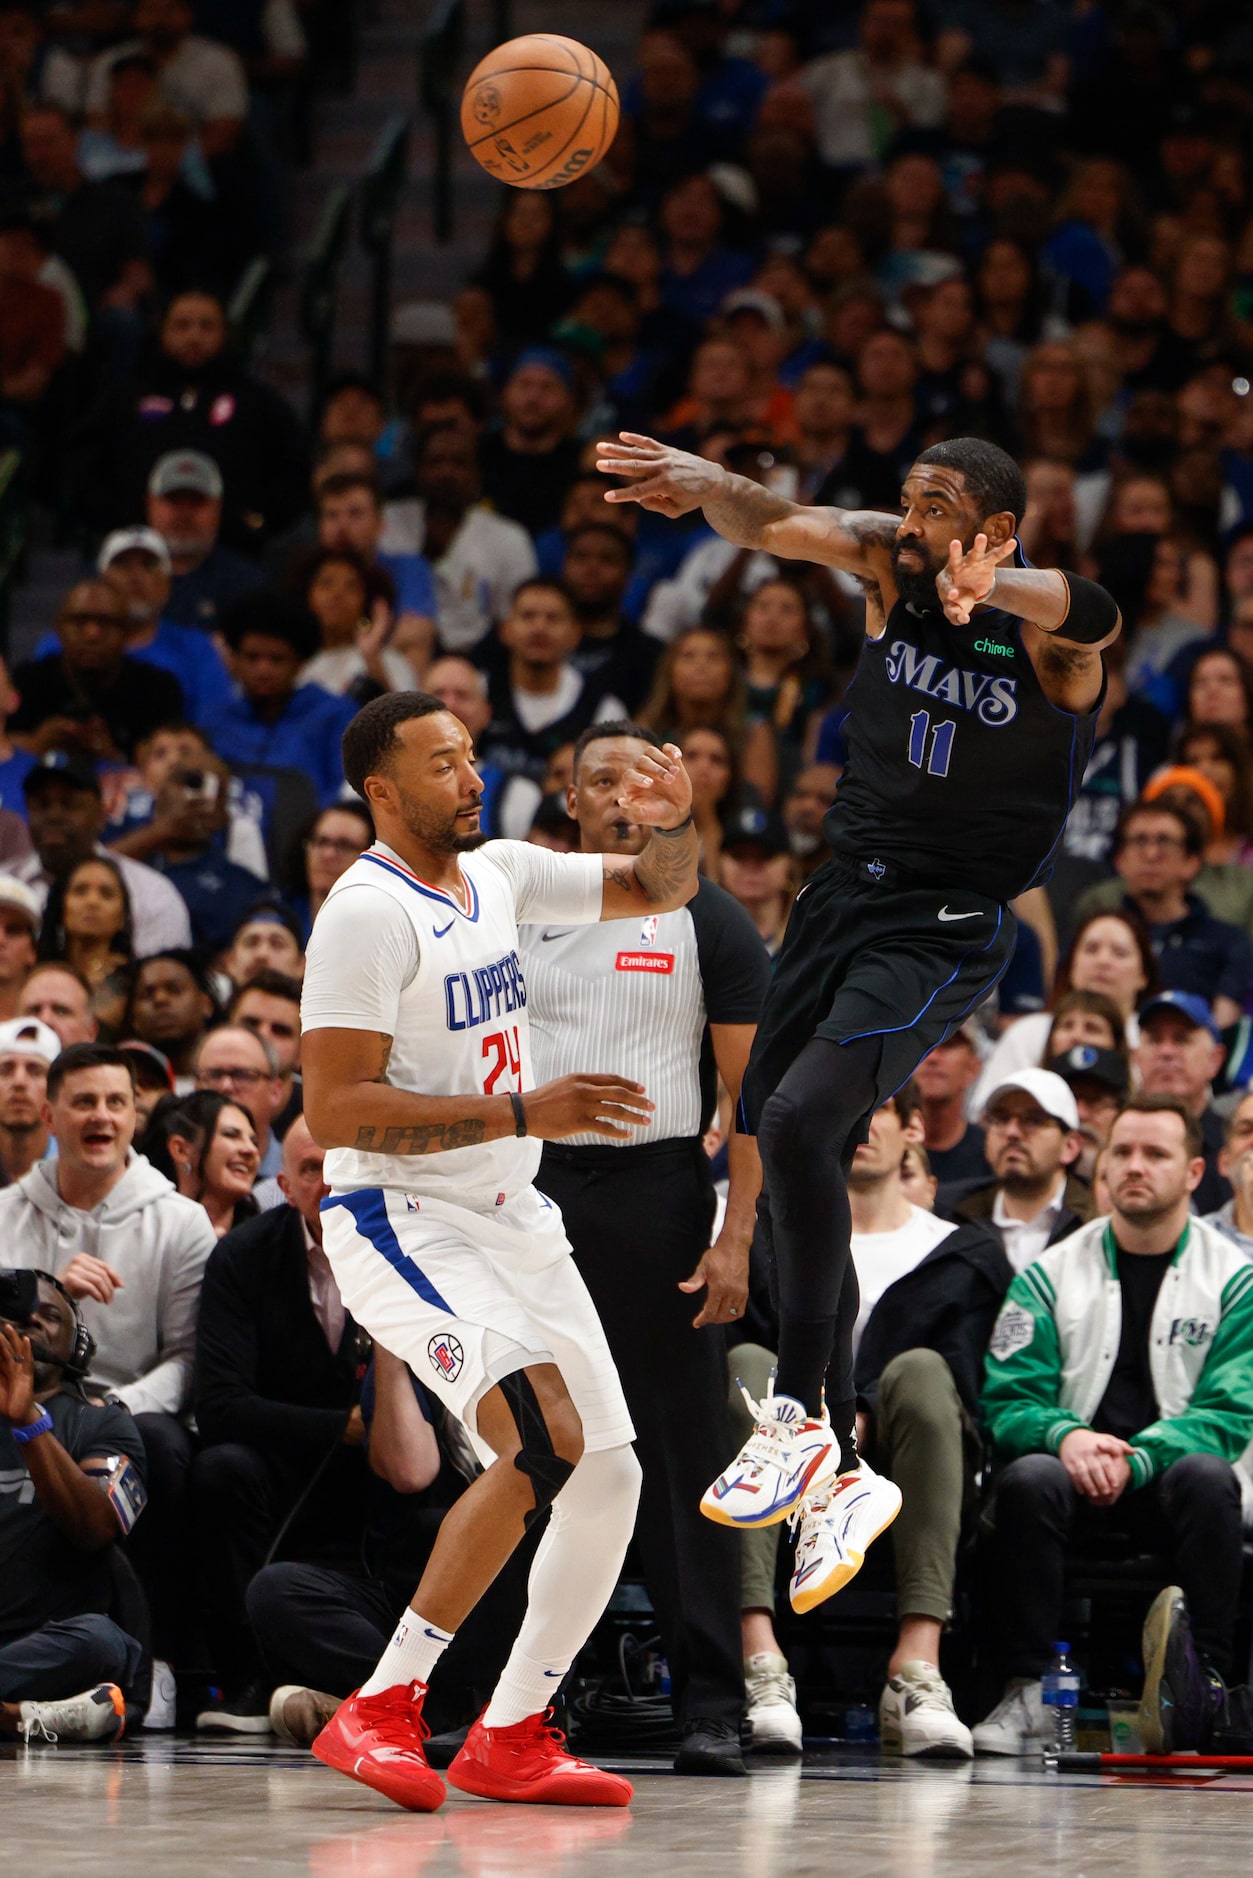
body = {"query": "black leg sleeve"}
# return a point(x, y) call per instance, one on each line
point(809, 1131)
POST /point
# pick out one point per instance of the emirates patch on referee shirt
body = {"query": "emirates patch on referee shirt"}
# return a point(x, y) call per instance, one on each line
point(644, 962)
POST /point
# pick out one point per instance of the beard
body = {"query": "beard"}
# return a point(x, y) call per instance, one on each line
point(915, 585)
point(437, 830)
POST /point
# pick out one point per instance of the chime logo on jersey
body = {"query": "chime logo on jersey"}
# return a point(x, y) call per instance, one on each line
point(489, 991)
point(446, 1356)
point(994, 700)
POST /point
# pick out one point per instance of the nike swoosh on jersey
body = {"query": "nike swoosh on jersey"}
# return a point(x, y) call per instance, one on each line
point(947, 917)
point(545, 936)
point(440, 931)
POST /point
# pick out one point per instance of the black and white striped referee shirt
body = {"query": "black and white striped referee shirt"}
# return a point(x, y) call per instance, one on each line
point(636, 997)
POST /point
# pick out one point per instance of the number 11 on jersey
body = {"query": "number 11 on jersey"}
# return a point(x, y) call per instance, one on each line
point(941, 743)
point(502, 1051)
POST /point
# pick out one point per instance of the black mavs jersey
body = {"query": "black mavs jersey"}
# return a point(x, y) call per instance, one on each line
point(960, 772)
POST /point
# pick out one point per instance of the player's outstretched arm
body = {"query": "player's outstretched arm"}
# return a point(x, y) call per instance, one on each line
point(657, 794)
point(350, 1104)
point(674, 482)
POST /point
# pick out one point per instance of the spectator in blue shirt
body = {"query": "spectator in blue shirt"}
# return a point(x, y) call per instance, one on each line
point(274, 721)
point(191, 819)
point(14, 763)
point(136, 563)
point(185, 509)
point(350, 515)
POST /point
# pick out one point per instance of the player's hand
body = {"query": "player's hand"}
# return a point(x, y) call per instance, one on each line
point(86, 1277)
point(657, 790)
point(17, 1377)
point(586, 1105)
point(724, 1270)
point(1097, 1464)
point(672, 482)
point(969, 575)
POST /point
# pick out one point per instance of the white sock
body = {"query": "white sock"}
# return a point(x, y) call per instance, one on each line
point(410, 1656)
point(525, 1688)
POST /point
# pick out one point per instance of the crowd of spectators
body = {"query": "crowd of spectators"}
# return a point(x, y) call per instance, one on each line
point(825, 238)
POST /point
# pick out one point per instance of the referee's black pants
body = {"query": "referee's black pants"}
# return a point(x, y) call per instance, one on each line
point(639, 1221)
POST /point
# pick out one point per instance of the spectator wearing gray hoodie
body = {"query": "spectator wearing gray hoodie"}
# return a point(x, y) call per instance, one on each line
point(132, 1251)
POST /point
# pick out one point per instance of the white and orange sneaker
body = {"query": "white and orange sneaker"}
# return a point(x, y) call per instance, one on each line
point(838, 1524)
point(789, 1454)
point(529, 1762)
point(377, 1739)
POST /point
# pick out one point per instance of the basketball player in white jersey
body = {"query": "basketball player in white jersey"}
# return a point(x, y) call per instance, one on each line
point(417, 1079)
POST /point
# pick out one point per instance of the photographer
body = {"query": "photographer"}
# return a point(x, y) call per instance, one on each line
point(71, 1482)
point(186, 841)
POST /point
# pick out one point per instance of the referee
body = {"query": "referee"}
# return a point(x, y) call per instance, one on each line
point(668, 1001)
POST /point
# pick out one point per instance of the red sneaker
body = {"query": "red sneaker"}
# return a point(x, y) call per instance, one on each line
point(377, 1739)
point(528, 1761)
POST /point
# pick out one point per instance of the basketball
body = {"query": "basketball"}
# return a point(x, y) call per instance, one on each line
point(539, 111)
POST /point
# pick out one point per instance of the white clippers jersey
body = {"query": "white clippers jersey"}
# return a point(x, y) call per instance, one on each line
point(390, 953)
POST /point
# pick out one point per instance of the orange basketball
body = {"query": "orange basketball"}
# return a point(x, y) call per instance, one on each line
point(539, 111)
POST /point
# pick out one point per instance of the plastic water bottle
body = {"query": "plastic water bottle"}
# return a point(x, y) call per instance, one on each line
point(1060, 1693)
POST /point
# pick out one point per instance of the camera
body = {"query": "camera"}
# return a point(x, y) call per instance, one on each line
point(19, 1294)
point(201, 785)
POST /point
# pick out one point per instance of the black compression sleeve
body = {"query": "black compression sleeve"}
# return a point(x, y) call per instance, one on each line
point(1093, 613)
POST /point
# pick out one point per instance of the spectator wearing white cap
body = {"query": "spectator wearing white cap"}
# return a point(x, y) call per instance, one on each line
point(136, 563)
point(185, 509)
point(27, 1048)
point(19, 931)
point(1031, 1128)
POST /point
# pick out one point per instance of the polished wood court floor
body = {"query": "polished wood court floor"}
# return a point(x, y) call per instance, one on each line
point(182, 1809)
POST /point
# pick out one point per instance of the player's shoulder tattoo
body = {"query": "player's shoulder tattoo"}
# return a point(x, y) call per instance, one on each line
point(871, 529)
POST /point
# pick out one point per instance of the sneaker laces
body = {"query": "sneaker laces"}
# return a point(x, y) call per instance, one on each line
point(929, 1689)
point(771, 1685)
point(37, 1729)
point(395, 1716)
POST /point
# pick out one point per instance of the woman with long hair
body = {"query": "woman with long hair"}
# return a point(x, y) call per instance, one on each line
point(699, 686)
point(785, 670)
point(87, 924)
point(1221, 753)
point(1111, 953)
point(523, 273)
point(1141, 504)
point(1056, 407)
point(207, 1145)
point(711, 758)
point(1220, 691)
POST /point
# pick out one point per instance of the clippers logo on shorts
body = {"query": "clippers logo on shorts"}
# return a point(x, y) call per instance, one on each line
point(484, 994)
point(447, 1357)
point(644, 962)
point(994, 700)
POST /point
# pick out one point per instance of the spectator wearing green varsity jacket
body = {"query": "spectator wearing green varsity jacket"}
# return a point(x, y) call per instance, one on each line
point(1118, 1400)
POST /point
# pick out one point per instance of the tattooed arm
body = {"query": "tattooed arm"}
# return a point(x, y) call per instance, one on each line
point(673, 482)
point(350, 1104)
point(656, 793)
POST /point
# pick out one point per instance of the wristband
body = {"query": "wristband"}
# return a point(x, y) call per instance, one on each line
point(32, 1429)
point(519, 1114)
point(679, 827)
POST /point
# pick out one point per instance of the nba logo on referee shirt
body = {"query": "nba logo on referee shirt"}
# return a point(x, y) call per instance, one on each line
point(648, 931)
point(446, 1356)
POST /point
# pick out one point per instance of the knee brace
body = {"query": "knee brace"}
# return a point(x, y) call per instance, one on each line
point(536, 1457)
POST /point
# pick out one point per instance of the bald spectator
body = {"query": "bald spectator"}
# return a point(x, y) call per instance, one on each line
point(529, 463)
point(238, 1063)
point(60, 997)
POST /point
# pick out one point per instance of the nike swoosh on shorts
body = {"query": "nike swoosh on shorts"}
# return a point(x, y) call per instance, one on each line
point(947, 917)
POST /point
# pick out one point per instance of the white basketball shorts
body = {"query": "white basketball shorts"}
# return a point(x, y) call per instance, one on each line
point(467, 1297)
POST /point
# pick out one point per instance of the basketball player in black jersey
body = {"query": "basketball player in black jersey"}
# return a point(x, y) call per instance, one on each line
point(972, 718)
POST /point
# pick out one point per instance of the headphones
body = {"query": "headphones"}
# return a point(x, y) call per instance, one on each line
point(83, 1349)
